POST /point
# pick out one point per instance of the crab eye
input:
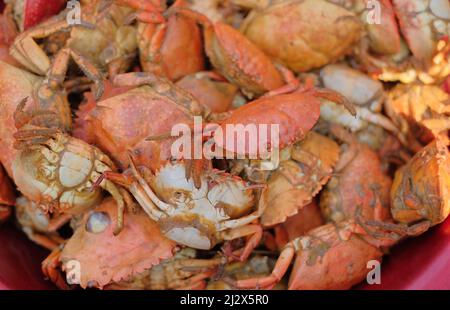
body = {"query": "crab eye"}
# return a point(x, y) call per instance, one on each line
point(178, 195)
point(98, 222)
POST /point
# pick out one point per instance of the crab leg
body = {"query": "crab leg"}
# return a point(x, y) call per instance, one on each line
point(193, 283)
point(161, 204)
point(50, 269)
point(230, 224)
point(138, 193)
point(377, 119)
point(292, 83)
point(150, 55)
point(333, 96)
point(245, 220)
point(88, 69)
point(199, 286)
point(255, 232)
point(281, 266)
point(111, 188)
point(198, 263)
point(29, 53)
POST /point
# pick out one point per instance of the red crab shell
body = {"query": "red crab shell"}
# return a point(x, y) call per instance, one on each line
point(122, 123)
point(328, 261)
point(361, 186)
point(181, 52)
point(308, 218)
point(15, 85)
point(105, 258)
point(81, 127)
point(241, 61)
point(295, 114)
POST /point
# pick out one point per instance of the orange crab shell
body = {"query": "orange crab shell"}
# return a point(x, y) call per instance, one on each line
point(181, 52)
point(304, 34)
point(294, 184)
point(361, 185)
point(331, 261)
point(104, 258)
point(240, 61)
point(81, 127)
point(295, 114)
point(15, 85)
point(308, 218)
point(121, 123)
point(420, 190)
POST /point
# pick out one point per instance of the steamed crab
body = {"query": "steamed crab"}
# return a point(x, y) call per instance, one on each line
point(290, 31)
point(196, 216)
point(99, 257)
point(239, 60)
point(58, 172)
point(307, 218)
point(378, 20)
point(161, 40)
point(358, 185)
point(114, 41)
point(304, 168)
point(15, 84)
point(48, 166)
point(144, 97)
point(331, 256)
point(419, 194)
point(209, 214)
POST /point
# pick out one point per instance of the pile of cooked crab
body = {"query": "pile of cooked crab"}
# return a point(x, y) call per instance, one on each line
point(90, 91)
